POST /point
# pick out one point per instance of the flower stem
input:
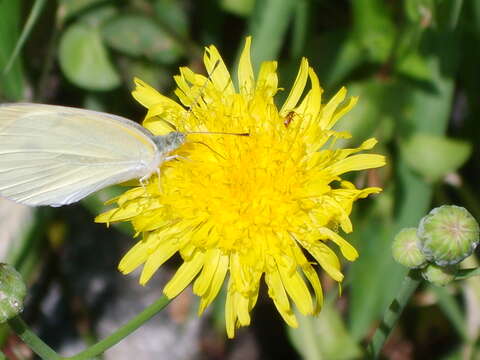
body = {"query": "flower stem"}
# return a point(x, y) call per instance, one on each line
point(33, 341)
point(46, 353)
point(391, 315)
point(122, 332)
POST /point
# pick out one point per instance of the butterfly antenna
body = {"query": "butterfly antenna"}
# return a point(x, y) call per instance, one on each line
point(217, 133)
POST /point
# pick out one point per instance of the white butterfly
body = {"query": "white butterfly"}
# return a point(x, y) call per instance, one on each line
point(56, 155)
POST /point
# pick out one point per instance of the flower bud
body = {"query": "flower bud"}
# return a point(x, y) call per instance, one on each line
point(405, 250)
point(12, 292)
point(439, 275)
point(448, 234)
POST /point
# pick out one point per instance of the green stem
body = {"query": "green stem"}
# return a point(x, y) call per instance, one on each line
point(33, 341)
point(46, 353)
point(27, 29)
point(391, 315)
point(122, 332)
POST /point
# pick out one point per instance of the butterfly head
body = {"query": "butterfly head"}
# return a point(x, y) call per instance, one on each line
point(169, 142)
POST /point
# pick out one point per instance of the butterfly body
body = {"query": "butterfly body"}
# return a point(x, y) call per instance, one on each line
point(55, 155)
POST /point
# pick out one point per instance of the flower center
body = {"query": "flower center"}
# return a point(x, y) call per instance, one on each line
point(240, 185)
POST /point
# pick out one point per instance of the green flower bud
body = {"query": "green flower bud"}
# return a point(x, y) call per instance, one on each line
point(12, 292)
point(405, 250)
point(439, 275)
point(447, 235)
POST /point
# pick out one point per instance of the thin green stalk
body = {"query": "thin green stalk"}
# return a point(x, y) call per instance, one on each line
point(33, 341)
point(47, 353)
point(391, 315)
point(32, 19)
point(122, 332)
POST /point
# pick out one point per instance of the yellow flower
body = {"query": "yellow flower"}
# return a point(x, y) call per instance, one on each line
point(239, 207)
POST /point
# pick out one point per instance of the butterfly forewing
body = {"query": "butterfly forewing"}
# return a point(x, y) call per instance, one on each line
point(53, 155)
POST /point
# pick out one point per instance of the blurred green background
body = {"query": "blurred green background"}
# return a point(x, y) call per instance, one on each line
point(415, 66)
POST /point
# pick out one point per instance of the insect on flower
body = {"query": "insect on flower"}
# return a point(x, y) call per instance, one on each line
point(289, 118)
point(56, 155)
point(256, 208)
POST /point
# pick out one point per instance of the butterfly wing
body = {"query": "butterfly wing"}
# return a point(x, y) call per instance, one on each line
point(55, 155)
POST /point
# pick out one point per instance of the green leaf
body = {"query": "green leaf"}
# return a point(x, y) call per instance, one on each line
point(413, 65)
point(434, 156)
point(137, 35)
point(323, 336)
point(238, 7)
point(98, 16)
point(300, 28)
point(11, 84)
point(371, 116)
point(84, 61)
point(155, 75)
point(70, 8)
point(268, 25)
point(448, 13)
point(373, 28)
point(172, 15)
point(334, 55)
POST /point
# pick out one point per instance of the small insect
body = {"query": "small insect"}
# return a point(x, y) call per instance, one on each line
point(56, 155)
point(288, 118)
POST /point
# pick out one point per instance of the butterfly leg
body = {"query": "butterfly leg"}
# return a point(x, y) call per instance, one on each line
point(159, 183)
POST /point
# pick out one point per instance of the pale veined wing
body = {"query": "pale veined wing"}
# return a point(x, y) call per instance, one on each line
point(55, 155)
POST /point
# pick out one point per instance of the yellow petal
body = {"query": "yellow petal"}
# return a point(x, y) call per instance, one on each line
point(161, 119)
point(297, 89)
point(267, 83)
point(357, 162)
point(342, 111)
point(164, 251)
point(230, 315)
point(346, 248)
point(296, 289)
point(330, 107)
point(217, 71)
point(202, 283)
point(310, 106)
point(311, 276)
point(145, 94)
point(136, 256)
point(276, 290)
point(215, 284)
point(184, 275)
point(246, 78)
point(242, 309)
point(326, 258)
